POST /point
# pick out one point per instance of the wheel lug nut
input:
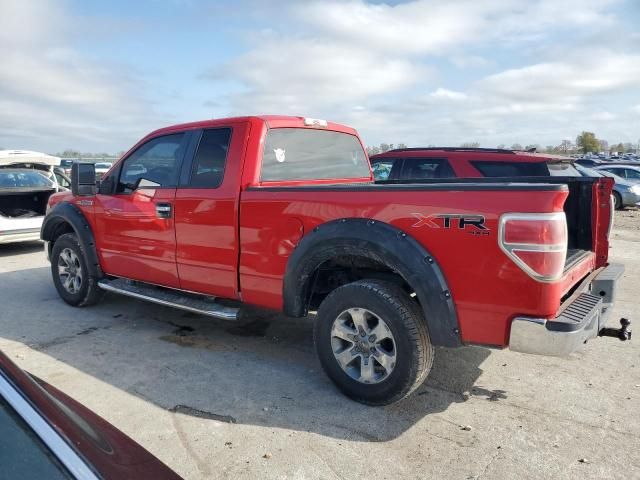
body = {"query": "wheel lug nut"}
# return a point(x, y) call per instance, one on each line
point(372, 349)
point(372, 338)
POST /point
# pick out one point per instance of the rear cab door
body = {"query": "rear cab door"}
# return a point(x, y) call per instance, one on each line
point(134, 221)
point(206, 210)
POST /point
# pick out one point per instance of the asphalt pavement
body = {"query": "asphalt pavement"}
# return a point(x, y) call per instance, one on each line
point(217, 401)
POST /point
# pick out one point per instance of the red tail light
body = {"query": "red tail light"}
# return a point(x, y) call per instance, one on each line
point(536, 242)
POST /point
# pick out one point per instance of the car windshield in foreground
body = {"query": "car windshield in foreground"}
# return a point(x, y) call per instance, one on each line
point(310, 154)
point(103, 165)
point(22, 453)
point(23, 179)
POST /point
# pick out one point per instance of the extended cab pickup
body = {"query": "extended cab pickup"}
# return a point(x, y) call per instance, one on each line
point(282, 213)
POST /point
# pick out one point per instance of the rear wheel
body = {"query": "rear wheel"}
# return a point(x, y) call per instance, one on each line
point(372, 342)
point(617, 201)
point(71, 277)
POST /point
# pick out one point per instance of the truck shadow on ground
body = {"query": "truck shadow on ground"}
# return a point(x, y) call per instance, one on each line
point(265, 373)
point(12, 249)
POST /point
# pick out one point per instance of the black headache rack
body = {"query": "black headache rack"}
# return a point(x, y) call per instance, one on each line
point(461, 149)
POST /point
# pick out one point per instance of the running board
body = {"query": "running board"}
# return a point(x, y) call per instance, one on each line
point(170, 298)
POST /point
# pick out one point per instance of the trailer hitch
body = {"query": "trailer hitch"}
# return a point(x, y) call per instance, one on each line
point(623, 333)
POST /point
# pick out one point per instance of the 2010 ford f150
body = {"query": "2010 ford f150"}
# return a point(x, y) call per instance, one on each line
point(282, 213)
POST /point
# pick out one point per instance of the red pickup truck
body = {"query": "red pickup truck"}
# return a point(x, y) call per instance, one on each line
point(282, 213)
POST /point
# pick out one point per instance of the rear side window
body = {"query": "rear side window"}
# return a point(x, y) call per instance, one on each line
point(563, 170)
point(423, 168)
point(512, 169)
point(309, 154)
point(634, 174)
point(382, 168)
point(210, 158)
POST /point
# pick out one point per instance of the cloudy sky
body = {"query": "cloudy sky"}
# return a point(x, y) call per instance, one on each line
point(96, 76)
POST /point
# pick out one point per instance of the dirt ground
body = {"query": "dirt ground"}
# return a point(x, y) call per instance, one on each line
point(214, 401)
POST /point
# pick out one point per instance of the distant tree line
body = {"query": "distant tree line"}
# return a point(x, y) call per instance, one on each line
point(585, 142)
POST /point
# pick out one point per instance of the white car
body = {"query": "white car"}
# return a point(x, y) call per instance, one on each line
point(27, 180)
point(102, 168)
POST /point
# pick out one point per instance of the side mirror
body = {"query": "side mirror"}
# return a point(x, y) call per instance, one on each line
point(83, 179)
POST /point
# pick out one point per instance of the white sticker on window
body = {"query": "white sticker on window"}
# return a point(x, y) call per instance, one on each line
point(280, 154)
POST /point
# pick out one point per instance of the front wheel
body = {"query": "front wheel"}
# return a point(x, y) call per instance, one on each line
point(372, 341)
point(71, 277)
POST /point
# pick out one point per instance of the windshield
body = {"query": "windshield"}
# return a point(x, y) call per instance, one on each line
point(308, 154)
point(103, 165)
point(24, 179)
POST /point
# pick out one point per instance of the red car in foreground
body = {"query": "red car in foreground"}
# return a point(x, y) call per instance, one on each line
point(283, 213)
point(48, 435)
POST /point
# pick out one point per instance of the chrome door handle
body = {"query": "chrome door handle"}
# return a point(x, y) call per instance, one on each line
point(163, 210)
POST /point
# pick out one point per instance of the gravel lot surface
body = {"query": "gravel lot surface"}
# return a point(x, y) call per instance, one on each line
point(214, 401)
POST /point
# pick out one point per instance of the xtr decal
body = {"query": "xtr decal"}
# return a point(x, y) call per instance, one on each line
point(474, 224)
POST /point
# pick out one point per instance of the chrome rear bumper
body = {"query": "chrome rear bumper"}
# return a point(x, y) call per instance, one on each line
point(580, 319)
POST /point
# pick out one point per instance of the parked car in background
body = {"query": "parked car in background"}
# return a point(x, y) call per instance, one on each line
point(66, 163)
point(102, 168)
point(589, 162)
point(451, 162)
point(27, 180)
point(63, 180)
point(628, 172)
point(48, 435)
point(625, 193)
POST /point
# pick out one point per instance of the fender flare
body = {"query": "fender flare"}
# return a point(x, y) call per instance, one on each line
point(385, 244)
point(65, 212)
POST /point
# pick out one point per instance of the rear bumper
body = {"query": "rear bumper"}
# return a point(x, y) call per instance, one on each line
point(580, 318)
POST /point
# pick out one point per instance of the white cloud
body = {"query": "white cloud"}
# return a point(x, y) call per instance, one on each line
point(297, 75)
point(448, 94)
point(376, 66)
point(425, 26)
point(571, 78)
point(50, 96)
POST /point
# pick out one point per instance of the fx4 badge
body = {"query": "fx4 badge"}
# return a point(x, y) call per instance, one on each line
point(473, 224)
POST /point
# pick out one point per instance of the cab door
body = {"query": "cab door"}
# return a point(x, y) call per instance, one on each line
point(206, 211)
point(135, 220)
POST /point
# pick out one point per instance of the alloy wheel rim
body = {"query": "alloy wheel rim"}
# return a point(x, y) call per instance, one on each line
point(70, 271)
point(363, 345)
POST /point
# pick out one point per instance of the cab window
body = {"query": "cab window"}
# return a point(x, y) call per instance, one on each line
point(512, 169)
point(210, 158)
point(382, 168)
point(158, 161)
point(424, 168)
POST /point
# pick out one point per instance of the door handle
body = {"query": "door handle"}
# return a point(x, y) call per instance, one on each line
point(163, 210)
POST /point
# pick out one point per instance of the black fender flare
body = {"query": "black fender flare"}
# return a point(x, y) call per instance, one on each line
point(385, 244)
point(65, 212)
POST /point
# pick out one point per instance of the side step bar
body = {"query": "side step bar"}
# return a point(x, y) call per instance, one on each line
point(170, 298)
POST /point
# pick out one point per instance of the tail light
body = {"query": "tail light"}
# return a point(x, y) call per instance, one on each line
point(536, 242)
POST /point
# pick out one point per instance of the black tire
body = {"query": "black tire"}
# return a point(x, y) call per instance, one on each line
point(617, 201)
point(403, 316)
point(88, 292)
